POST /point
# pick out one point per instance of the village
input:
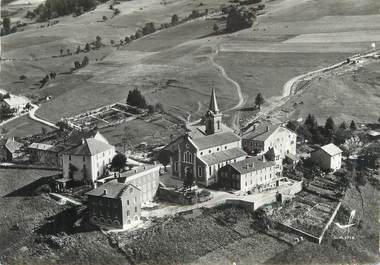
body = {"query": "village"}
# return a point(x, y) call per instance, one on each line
point(293, 184)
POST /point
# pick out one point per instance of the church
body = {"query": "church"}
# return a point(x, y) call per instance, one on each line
point(204, 149)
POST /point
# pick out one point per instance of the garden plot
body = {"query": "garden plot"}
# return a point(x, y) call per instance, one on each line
point(308, 214)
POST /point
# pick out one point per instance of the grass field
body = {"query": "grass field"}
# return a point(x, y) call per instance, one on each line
point(24, 126)
point(353, 95)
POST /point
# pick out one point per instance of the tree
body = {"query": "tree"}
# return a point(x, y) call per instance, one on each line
point(174, 20)
point(6, 25)
point(343, 126)
point(77, 65)
point(116, 12)
point(311, 123)
point(61, 51)
point(68, 52)
point(330, 125)
point(216, 28)
point(78, 49)
point(259, 100)
point(6, 112)
point(118, 162)
point(98, 42)
point(63, 126)
point(149, 28)
point(138, 34)
point(151, 109)
point(189, 178)
point(353, 126)
point(43, 130)
point(159, 107)
point(104, 18)
point(85, 61)
point(87, 47)
point(238, 19)
point(164, 157)
point(112, 42)
point(127, 40)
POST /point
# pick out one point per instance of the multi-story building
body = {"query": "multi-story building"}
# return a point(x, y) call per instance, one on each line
point(204, 149)
point(146, 178)
point(87, 162)
point(44, 153)
point(248, 174)
point(9, 149)
point(328, 157)
point(266, 136)
point(114, 205)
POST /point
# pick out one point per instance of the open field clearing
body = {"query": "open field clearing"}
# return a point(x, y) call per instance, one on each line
point(268, 72)
point(23, 126)
point(349, 96)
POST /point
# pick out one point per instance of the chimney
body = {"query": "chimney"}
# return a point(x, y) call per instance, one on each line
point(105, 192)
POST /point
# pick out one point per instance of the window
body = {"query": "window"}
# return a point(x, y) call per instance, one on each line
point(217, 149)
point(70, 157)
point(135, 209)
point(218, 123)
point(201, 153)
point(84, 158)
point(127, 202)
point(135, 199)
point(128, 213)
point(209, 151)
point(225, 147)
point(199, 171)
point(209, 169)
point(176, 166)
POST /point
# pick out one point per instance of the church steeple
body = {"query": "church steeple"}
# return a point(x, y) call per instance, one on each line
point(213, 103)
point(213, 116)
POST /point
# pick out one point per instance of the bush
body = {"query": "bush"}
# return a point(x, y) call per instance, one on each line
point(118, 162)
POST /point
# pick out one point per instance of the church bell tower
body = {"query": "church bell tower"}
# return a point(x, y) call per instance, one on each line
point(213, 116)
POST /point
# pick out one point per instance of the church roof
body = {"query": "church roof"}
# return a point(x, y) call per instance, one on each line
point(213, 103)
point(217, 139)
point(223, 156)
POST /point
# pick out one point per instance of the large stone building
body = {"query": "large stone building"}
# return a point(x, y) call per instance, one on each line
point(204, 149)
point(114, 205)
point(146, 178)
point(87, 162)
point(328, 157)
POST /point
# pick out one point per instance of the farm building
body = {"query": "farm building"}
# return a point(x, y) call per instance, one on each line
point(44, 153)
point(204, 149)
point(9, 149)
point(114, 205)
point(18, 103)
point(249, 174)
point(87, 162)
point(146, 178)
point(328, 157)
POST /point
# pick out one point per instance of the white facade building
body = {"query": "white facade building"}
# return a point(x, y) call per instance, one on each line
point(328, 157)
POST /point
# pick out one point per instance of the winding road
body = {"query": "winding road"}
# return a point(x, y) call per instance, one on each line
point(33, 116)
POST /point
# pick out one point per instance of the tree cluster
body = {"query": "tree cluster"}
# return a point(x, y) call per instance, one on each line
point(239, 18)
point(56, 8)
point(84, 63)
point(136, 99)
point(317, 134)
point(6, 112)
point(7, 28)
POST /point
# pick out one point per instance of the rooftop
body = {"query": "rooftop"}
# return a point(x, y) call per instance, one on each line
point(216, 139)
point(14, 100)
point(10, 144)
point(262, 132)
point(40, 146)
point(90, 147)
point(223, 156)
point(126, 175)
point(111, 190)
point(251, 164)
point(331, 149)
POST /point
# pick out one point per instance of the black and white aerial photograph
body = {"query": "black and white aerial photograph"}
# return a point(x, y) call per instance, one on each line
point(189, 132)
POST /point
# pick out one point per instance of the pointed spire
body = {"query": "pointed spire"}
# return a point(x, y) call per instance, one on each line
point(213, 104)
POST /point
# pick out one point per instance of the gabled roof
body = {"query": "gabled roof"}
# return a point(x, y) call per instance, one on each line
point(331, 149)
point(14, 100)
point(126, 176)
point(90, 147)
point(263, 131)
point(11, 145)
point(113, 190)
point(251, 164)
point(216, 139)
point(223, 156)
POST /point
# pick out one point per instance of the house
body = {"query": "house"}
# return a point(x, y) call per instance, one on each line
point(87, 162)
point(44, 153)
point(205, 148)
point(18, 103)
point(249, 174)
point(114, 205)
point(146, 178)
point(265, 136)
point(9, 149)
point(328, 157)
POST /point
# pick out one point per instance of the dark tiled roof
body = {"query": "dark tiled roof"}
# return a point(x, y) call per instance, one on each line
point(223, 156)
point(90, 147)
point(216, 139)
point(114, 190)
point(261, 132)
point(251, 164)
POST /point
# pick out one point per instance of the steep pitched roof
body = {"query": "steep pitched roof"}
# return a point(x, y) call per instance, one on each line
point(113, 190)
point(223, 156)
point(213, 106)
point(251, 164)
point(11, 145)
point(331, 149)
point(217, 139)
point(90, 147)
